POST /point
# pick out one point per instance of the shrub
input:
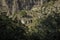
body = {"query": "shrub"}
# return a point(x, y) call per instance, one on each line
point(22, 13)
point(9, 30)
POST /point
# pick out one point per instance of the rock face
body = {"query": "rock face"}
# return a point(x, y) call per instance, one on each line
point(13, 6)
point(23, 4)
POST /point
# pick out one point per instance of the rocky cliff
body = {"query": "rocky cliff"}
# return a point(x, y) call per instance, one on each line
point(13, 6)
point(20, 4)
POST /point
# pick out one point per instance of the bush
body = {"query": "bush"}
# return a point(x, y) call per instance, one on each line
point(9, 30)
point(22, 13)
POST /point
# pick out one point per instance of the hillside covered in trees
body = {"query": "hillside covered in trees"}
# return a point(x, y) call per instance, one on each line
point(29, 19)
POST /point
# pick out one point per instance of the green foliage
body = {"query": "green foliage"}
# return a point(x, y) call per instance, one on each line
point(50, 27)
point(18, 14)
point(22, 13)
point(9, 30)
point(46, 29)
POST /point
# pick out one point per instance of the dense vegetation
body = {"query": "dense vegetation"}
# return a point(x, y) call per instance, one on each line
point(45, 20)
point(48, 29)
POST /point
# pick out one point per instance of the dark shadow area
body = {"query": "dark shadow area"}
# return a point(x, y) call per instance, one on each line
point(25, 5)
point(48, 29)
point(52, 26)
point(9, 30)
